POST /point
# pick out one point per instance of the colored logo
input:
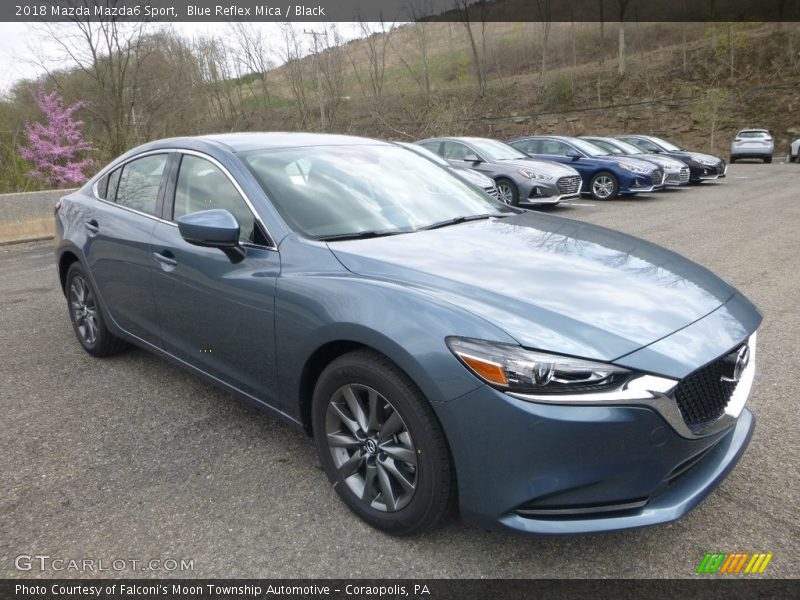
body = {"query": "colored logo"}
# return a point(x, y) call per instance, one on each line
point(734, 563)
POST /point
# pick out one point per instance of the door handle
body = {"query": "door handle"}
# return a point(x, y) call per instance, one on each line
point(92, 227)
point(166, 259)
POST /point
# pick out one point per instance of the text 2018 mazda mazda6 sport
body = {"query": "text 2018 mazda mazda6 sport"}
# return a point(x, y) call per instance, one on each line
point(550, 375)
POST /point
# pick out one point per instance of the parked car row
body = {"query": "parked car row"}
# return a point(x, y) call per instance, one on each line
point(536, 170)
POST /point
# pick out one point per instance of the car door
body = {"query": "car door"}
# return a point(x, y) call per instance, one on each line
point(117, 252)
point(215, 314)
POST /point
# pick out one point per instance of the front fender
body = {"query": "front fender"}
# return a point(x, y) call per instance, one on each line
point(406, 325)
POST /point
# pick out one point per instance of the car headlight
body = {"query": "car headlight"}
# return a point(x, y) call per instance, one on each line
point(709, 162)
point(534, 175)
point(515, 369)
point(632, 168)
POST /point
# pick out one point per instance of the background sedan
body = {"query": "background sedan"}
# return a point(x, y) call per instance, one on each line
point(702, 167)
point(604, 176)
point(474, 177)
point(676, 172)
point(520, 181)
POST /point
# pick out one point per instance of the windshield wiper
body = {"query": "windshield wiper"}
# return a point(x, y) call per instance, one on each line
point(458, 220)
point(360, 235)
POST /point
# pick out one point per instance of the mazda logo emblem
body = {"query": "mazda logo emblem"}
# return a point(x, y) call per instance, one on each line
point(739, 363)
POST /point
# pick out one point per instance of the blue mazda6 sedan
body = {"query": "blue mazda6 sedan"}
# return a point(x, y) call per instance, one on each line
point(443, 349)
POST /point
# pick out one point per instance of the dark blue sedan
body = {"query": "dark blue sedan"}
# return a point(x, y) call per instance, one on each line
point(604, 176)
point(546, 375)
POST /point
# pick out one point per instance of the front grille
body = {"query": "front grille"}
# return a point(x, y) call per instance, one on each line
point(685, 174)
point(569, 185)
point(492, 191)
point(703, 395)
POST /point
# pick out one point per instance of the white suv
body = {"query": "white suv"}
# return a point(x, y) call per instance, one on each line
point(752, 143)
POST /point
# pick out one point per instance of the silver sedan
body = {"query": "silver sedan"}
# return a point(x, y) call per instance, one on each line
point(520, 180)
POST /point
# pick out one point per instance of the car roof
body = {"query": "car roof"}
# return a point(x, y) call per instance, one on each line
point(754, 130)
point(245, 141)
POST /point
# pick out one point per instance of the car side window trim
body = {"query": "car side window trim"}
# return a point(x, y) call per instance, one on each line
point(169, 197)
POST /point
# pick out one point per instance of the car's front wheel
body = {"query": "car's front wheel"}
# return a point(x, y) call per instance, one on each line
point(87, 319)
point(507, 191)
point(604, 186)
point(381, 445)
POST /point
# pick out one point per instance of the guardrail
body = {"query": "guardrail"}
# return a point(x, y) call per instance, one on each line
point(28, 216)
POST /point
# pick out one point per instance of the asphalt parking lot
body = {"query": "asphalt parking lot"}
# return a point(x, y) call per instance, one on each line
point(132, 458)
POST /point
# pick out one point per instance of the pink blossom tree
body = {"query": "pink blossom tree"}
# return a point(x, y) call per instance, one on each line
point(55, 146)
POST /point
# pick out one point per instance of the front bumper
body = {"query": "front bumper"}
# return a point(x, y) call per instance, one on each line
point(539, 193)
point(708, 173)
point(555, 469)
point(636, 183)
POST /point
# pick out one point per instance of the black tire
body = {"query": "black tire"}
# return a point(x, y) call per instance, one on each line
point(419, 437)
point(602, 181)
point(87, 317)
point(792, 158)
point(767, 159)
point(732, 160)
point(513, 191)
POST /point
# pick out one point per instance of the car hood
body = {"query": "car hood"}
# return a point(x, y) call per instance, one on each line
point(626, 160)
point(551, 283)
point(663, 161)
point(695, 155)
point(553, 169)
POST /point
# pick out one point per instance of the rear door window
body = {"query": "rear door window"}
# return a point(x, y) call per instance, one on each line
point(140, 182)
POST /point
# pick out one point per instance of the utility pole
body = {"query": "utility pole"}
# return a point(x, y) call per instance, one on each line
point(314, 34)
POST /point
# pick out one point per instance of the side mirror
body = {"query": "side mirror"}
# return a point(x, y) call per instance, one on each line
point(574, 155)
point(473, 158)
point(214, 228)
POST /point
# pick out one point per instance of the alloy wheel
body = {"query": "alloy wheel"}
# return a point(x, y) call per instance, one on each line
point(84, 310)
point(371, 447)
point(505, 193)
point(603, 187)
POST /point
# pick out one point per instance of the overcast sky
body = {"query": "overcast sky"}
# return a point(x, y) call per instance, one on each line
point(20, 45)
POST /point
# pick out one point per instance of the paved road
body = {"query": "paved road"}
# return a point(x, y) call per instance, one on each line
point(132, 458)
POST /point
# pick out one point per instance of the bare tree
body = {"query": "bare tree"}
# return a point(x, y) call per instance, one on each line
point(252, 53)
point(375, 42)
point(622, 8)
point(217, 70)
point(330, 69)
point(294, 69)
point(544, 16)
point(420, 31)
point(466, 9)
point(109, 54)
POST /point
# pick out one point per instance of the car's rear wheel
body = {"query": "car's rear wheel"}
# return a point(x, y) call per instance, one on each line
point(732, 160)
point(381, 445)
point(604, 186)
point(87, 317)
point(507, 191)
point(767, 159)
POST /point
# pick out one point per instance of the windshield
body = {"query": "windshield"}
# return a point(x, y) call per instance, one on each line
point(358, 191)
point(608, 146)
point(753, 134)
point(666, 145)
point(588, 148)
point(627, 148)
point(493, 150)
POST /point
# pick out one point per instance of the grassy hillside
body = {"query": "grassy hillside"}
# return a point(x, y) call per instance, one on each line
point(694, 83)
